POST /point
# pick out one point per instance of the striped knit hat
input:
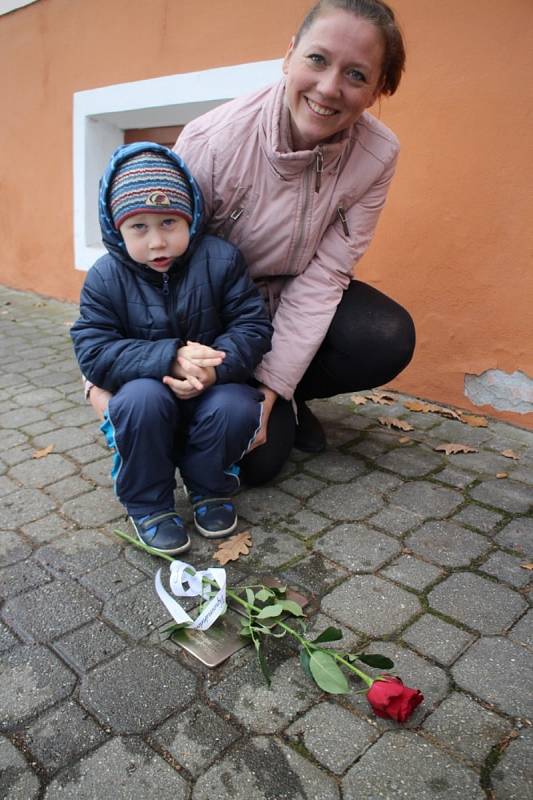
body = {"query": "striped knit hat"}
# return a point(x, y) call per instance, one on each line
point(149, 183)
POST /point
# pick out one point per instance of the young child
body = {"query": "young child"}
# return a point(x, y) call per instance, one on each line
point(172, 325)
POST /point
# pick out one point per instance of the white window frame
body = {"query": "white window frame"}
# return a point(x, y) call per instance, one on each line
point(100, 117)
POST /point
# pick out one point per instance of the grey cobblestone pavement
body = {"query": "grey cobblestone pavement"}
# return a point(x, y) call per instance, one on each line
point(415, 554)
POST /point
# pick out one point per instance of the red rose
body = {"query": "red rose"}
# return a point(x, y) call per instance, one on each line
point(391, 699)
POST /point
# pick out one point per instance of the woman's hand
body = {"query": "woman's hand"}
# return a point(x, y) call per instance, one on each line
point(99, 399)
point(268, 404)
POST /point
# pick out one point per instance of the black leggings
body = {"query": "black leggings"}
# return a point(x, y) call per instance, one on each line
point(371, 339)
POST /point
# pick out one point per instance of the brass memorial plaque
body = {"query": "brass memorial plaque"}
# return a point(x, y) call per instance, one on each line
point(223, 639)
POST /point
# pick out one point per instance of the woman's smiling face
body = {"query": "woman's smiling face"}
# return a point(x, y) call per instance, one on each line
point(333, 74)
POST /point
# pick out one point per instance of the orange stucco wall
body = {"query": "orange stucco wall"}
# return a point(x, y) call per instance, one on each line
point(455, 242)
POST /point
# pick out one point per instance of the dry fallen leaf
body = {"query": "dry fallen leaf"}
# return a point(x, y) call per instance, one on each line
point(425, 408)
point(394, 422)
point(234, 547)
point(450, 448)
point(380, 398)
point(359, 399)
point(528, 565)
point(44, 452)
point(473, 421)
point(502, 474)
point(404, 439)
point(510, 454)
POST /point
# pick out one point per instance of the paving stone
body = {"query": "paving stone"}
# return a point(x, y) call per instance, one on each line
point(137, 690)
point(509, 495)
point(340, 435)
point(402, 765)
point(38, 397)
point(330, 412)
point(79, 415)
point(500, 672)
point(426, 499)
point(21, 416)
point(65, 439)
point(315, 574)
point(112, 578)
point(272, 549)
point(89, 453)
point(372, 445)
point(437, 639)
point(357, 547)
point(62, 735)
point(94, 508)
point(512, 778)
point(7, 486)
point(415, 672)
point(88, 646)
point(451, 430)
point(45, 613)
point(518, 535)
point(336, 467)
point(7, 639)
point(36, 428)
point(447, 544)
point(77, 552)
point(522, 632)
point(506, 568)
point(12, 438)
point(412, 572)
point(69, 488)
point(137, 611)
point(21, 577)
point(122, 769)
point(371, 605)
point(306, 524)
point(301, 485)
point(247, 773)
point(480, 518)
point(411, 462)
point(17, 454)
point(99, 472)
point(381, 483)
point(33, 679)
point(23, 506)
point(454, 477)
point(466, 727)
point(259, 708)
point(196, 737)
point(480, 604)
point(46, 529)
point(17, 781)
point(266, 505)
point(333, 735)
point(395, 521)
point(345, 502)
point(12, 548)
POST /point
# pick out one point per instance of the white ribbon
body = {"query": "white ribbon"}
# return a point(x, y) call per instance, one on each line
point(189, 584)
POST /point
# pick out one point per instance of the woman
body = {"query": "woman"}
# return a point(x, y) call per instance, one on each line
point(296, 175)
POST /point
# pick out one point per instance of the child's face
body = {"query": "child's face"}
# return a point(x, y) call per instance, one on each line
point(155, 240)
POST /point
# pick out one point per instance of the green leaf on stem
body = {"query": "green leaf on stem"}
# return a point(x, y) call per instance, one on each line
point(250, 596)
point(375, 660)
point(280, 591)
point(331, 634)
point(304, 661)
point(245, 630)
point(327, 675)
point(292, 607)
point(270, 611)
point(264, 594)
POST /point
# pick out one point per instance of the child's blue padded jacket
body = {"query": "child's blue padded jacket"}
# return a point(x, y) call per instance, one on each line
point(133, 319)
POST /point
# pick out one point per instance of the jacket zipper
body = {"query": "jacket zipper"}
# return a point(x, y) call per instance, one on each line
point(230, 221)
point(165, 284)
point(344, 222)
point(319, 164)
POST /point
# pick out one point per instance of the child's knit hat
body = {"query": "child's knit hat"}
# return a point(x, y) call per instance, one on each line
point(149, 183)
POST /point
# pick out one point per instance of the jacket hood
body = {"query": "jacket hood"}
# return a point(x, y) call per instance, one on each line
point(113, 240)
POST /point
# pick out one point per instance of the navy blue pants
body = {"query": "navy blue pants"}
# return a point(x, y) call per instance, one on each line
point(153, 433)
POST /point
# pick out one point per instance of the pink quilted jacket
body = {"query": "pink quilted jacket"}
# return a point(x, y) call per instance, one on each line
point(302, 219)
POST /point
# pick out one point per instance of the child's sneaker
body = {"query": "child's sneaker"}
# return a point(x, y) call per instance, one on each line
point(214, 517)
point(164, 531)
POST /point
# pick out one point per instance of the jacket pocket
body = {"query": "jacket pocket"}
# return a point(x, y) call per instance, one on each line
point(238, 215)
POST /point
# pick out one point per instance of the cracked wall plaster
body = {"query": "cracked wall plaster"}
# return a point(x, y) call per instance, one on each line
point(501, 390)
